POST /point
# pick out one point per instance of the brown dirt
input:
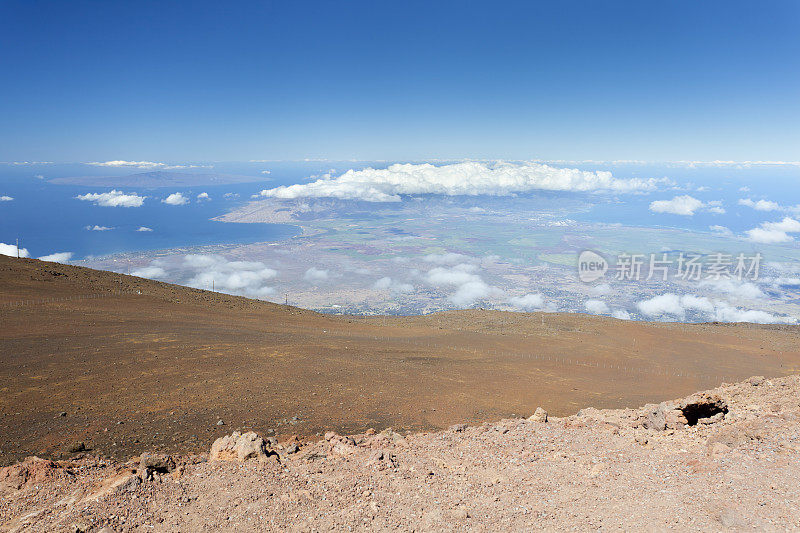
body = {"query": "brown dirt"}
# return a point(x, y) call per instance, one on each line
point(143, 365)
point(597, 470)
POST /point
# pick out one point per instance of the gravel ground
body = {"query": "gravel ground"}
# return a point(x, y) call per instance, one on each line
point(635, 469)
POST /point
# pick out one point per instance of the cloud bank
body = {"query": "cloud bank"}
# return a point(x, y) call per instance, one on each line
point(469, 286)
point(685, 205)
point(113, 199)
point(10, 249)
point(596, 307)
point(150, 272)
point(672, 305)
point(246, 278)
point(6, 198)
point(314, 275)
point(175, 198)
point(387, 283)
point(468, 178)
point(528, 302)
point(58, 257)
point(207, 272)
point(768, 205)
point(143, 165)
point(774, 232)
point(760, 205)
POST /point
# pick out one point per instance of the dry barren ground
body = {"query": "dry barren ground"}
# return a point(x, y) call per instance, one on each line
point(725, 460)
point(123, 364)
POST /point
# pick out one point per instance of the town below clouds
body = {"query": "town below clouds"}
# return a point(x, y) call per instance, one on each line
point(429, 236)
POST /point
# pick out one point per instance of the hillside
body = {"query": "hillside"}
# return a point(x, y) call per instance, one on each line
point(123, 364)
point(724, 460)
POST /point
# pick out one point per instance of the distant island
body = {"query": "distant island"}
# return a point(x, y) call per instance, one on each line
point(156, 178)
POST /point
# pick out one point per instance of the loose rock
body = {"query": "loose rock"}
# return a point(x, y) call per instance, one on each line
point(540, 415)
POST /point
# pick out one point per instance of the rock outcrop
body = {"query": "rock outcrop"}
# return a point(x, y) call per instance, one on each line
point(240, 447)
point(700, 408)
point(540, 415)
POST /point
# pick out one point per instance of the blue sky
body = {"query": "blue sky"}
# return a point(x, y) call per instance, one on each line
point(200, 81)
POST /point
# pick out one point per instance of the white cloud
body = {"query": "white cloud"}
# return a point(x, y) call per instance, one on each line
point(203, 196)
point(99, 228)
point(175, 198)
point(387, 283)
point(150, 272)
point(774, 232)
point(760, 205)
point(599, 290)
point(458, 275)
point(673, 305)
point(597, 307)
point(735, 164)
point(246, 278)
point(621, 314)
point(143, 165)
point(11, 249)
point(722, 230)
point(6, 198)
point(467, 178)
point(469, 286)
point(446, 259)
point(58, 257)
point(676, 306)
point(122, 163)
point(683, 163)
point(266, 172)
point(468, 293)
point(113, 199)
point(527, 302)
point(383, 283)
point(740, 290)
point(315, 274)
point(680, 205)
point(765, 236)
point(144, 229)
point(727, 313)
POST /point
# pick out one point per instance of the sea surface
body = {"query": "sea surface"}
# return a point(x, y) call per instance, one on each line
point(47, 218)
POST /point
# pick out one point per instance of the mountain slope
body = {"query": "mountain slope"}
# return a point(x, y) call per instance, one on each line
point(135, 364)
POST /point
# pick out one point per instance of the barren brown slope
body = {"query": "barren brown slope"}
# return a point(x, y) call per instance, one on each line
point(147, 365)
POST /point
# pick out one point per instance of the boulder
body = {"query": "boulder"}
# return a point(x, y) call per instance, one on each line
point(240, 447)
point(755, 381)
point(655, 417)
point(540, 415)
